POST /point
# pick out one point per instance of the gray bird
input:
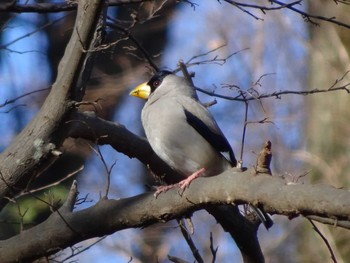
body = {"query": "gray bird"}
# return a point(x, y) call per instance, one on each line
point(180, 130)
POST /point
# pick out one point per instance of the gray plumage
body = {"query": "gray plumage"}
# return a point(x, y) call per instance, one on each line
point(181, 130)
point(184, 134)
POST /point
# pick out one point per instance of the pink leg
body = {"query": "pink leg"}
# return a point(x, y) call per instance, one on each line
point(186, 183)
point(183, 184)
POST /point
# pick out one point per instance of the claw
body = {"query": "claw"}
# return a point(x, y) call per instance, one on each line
point(183, 184)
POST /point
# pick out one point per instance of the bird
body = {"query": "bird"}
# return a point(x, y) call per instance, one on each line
point(181, 130)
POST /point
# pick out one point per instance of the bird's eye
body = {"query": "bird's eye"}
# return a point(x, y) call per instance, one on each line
point(156, 83)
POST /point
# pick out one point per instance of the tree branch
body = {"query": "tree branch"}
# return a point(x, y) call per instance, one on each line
point(273, 194)
point(90, 127)
point(66, 228)
point(55, 7)
point(276, 94)
point(276, 198)
point(308, 17)
point(291, 6)
point(93, 128)
point(33, 146)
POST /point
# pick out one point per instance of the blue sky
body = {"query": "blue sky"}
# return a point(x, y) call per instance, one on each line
point(275, 45)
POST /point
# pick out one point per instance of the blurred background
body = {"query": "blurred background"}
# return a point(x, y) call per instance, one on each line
point(273, 51)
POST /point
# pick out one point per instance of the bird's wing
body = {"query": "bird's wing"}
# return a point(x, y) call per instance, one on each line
point(201, 120)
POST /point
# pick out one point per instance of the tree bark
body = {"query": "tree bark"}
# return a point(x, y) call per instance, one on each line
point(33, 146)
point(65, 228)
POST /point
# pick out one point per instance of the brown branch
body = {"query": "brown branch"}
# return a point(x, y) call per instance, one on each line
point(243, 7)
point(10, 101)
point(5, 46)
point(215, 60)
point(139, 46)
point(276, 94)
point(70, 6)
point(143, 210)
point(262, 8)
point(271, 193)
point(55, 7)
point(33, 146)
point(310, 16)
point(187, 236)
point(213, 250)
point(90, 127)
point(331, 221)
point(324, 239)
point(107, 169)
point(95, 129)
point(32, 191)
point(276, 198)
point(291, 6)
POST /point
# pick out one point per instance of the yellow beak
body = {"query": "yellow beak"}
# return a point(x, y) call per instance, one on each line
point(141, 91)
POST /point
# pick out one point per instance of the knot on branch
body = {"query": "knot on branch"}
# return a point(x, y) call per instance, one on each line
point(264, 159)
point(42, 149)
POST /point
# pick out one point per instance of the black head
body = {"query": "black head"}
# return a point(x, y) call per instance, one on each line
point(157, 79)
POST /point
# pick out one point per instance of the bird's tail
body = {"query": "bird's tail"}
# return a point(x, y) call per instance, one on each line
point(263, 216)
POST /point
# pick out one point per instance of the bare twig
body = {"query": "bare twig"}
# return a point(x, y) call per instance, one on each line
point(245, 123)
point(309, 16)
point(185, 72)
point(52, 184)
point(190, 242)
point(294, 178)
point(71, 5)
point(127, 33)
point(108, 170)
point(5, 46)
point(276, 94)
point(291, 6)
point(324, 240)
point(262, 8)
point(13, 107)
point(79, 251)
point(205, 53)
point(193, 5)
point(331, 221)
point(215, 60)
point(213, 250)
point(21, 214)
point(21, 96)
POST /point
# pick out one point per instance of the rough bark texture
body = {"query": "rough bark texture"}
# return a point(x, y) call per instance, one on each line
point(65, 228)
point(282, 197)
point(34, 144)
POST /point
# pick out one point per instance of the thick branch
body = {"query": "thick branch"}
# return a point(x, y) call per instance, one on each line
point(34, 144)
point(93, 128)
point(90, 127)
point(276, 197)
point(66, 228)
point(273, 194)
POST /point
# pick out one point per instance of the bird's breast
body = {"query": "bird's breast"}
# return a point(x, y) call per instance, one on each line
point(177, 143)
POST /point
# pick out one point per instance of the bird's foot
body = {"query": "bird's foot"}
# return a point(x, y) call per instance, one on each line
point(183, 184)
point(186, 182)
point(164, 188)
